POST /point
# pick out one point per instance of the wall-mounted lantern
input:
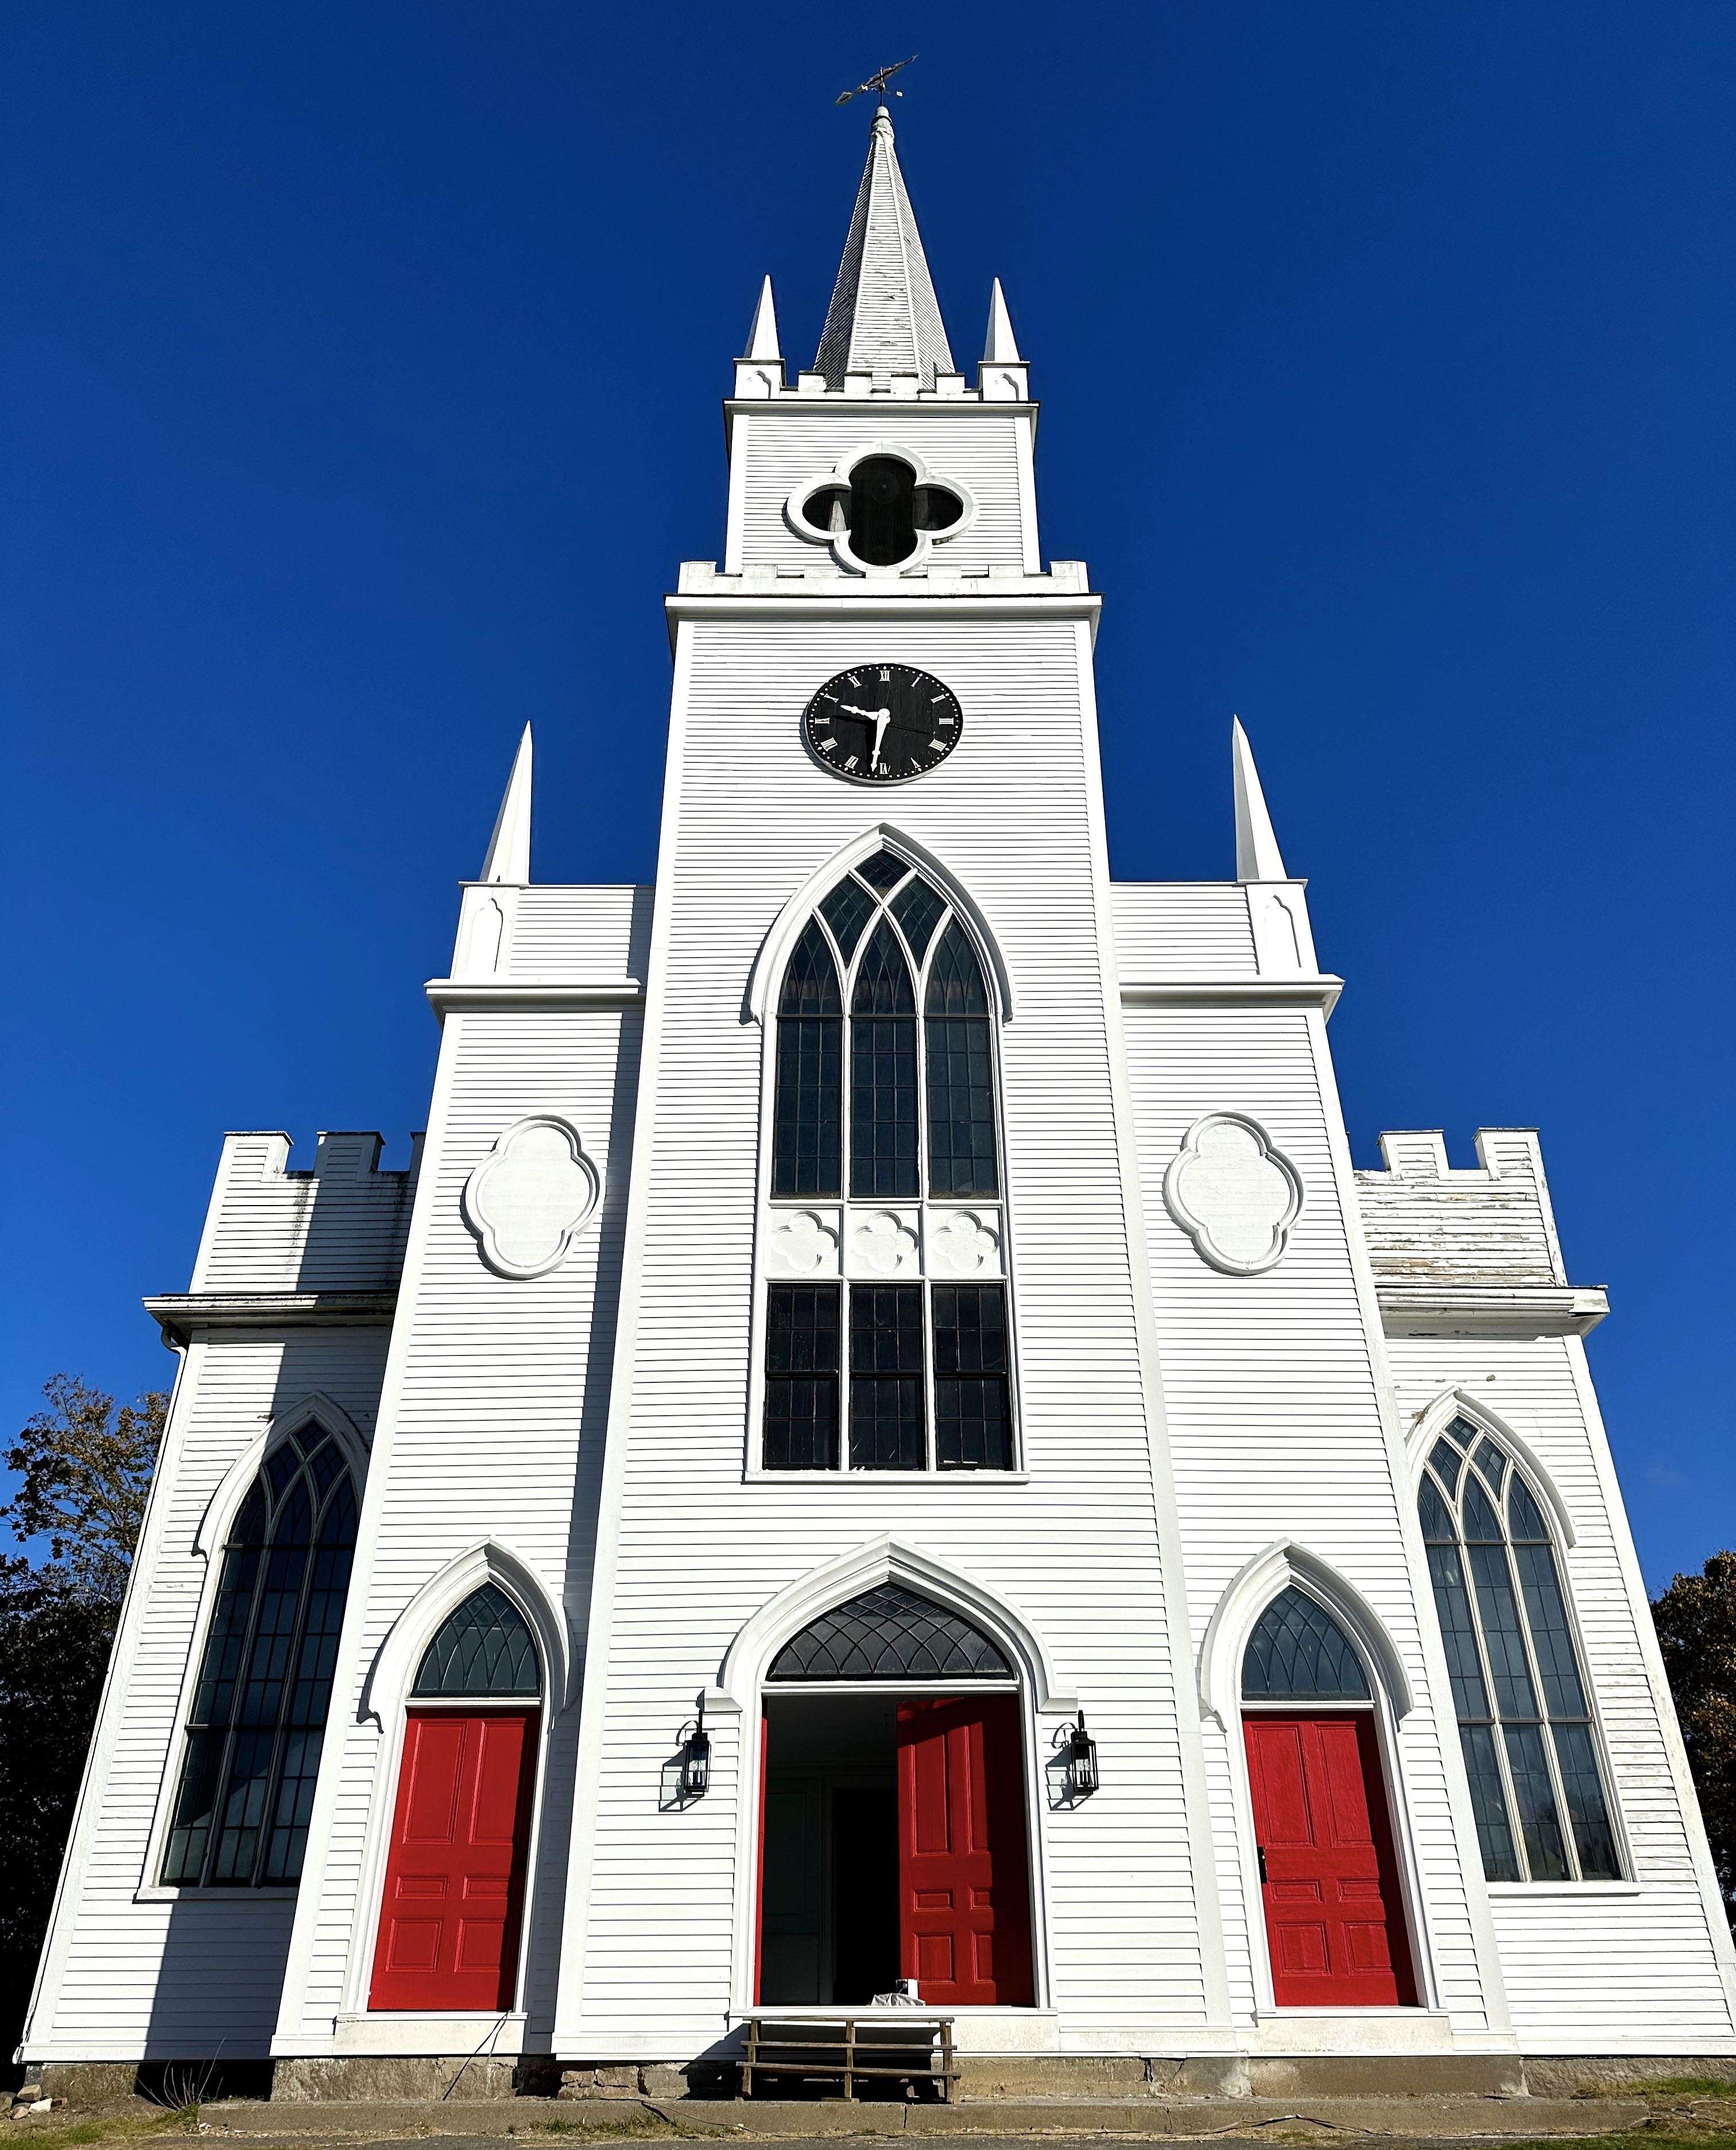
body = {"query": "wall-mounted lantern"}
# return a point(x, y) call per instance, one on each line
point(1082, 1777)
point(695, 1772)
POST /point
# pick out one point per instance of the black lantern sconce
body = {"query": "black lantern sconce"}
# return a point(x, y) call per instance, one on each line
point(695, 1764)
point(1082, 1777)
point(1070, 1771)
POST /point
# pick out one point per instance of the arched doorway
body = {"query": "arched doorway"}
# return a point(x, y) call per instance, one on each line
point(1329, 1877)
point(453, 1902)
point(894, 1833)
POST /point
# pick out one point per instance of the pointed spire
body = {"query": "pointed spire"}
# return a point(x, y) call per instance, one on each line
point(763, 337)
point(999, 347)
point(509, 848)
point(884, 318)
point(1258, 857)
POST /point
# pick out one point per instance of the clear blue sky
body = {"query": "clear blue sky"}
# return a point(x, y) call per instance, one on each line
point(361, 377)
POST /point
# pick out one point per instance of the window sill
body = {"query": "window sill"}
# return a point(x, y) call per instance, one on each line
point(179, 1893)
point(928, 1478)
point(1521, 1891)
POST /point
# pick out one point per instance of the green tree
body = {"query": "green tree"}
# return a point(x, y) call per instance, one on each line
point(83, 1470)
point(1696, 1622)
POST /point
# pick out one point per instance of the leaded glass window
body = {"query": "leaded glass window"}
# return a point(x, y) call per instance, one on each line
point(1298, 1652)
point(1525, 1722)
point(260, 1703)
point(807, 1110)
point(801, 1377)
point(890, 1633)
point(484, 1649)
point(883, 1091)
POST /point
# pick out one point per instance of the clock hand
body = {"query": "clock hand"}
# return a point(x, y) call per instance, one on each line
point(882, 718)
point(850, 709)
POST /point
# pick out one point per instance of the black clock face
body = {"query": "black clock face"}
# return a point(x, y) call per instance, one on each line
point(882, 724)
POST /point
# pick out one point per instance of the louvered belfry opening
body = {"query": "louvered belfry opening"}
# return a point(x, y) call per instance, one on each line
point(890, 1633)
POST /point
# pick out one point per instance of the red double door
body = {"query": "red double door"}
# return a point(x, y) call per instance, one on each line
point(1334, 1922)
point(964, 1911)
point(454, 1896)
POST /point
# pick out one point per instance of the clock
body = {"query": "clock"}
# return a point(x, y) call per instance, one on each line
point(882, 724)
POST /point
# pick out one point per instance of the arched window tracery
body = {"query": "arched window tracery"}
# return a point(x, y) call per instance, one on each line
point(258, 1715)
point(884, 1091)
point(1519, 1692)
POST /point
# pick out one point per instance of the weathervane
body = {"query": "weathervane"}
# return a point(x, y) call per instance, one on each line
point(877, 83)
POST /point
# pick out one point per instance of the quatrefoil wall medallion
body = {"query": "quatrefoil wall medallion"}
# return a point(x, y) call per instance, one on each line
point(531, 1196)
point(881, 508)
point(1232, 1194)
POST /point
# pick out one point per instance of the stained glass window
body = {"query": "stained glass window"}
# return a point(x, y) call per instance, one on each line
point(263, 1688)
point(1518, 1689)
point(484, 1648)
point(1298, 1652)
point(885, 1377)
point(961, 1071)
point(972, 1406)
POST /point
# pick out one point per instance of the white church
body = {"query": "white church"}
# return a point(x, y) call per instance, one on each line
point(882, 1454)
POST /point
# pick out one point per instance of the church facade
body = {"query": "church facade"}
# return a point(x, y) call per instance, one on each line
point(882, 1445)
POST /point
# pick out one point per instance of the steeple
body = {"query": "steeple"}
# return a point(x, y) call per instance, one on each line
point(884, 318)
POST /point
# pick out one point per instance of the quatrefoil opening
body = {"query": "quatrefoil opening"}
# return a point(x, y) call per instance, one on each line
point(1232, 1194)
point(882, 508)
point(531, 1196)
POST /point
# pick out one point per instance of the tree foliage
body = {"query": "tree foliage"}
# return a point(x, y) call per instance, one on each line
point(1696, 1622)
point(84, 1468)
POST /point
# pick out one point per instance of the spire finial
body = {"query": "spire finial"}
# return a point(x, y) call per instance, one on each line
point(763, 337)
point(999, 346)
point(1258, 857)
point(509, 848)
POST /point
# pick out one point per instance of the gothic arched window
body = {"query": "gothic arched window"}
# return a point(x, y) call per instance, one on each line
point(1520, 1693)
point(258, 1716)
point(484, 1648)
point(885, 992)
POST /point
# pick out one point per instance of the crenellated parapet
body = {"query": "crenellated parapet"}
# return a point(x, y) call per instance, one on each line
point(323, 1242)
point(1470, 1251)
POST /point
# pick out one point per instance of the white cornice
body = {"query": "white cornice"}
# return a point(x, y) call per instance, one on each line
point(178, 1314)
point(1437, 1308)
point(447, 994)
point(1321, 992)
point(854, 601)
point(792, 402)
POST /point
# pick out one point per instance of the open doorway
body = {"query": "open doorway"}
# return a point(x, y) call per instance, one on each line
point(895, 1848)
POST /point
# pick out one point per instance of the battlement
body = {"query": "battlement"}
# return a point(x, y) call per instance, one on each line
point(1426, 1222)
point(339, 1224)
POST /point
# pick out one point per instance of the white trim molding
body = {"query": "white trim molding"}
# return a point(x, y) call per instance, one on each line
point(231, 1488)
point(884, 1559)
point(1281, 1564)
point(774, 950)
point(385, 1684)
point(838, 477)
point(1239, 1175)
point(1434, 1417)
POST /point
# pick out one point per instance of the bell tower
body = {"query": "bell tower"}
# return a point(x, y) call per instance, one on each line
point(886, 1333)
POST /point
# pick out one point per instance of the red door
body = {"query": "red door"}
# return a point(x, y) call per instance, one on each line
point(455, 1878)
point(964, 1911)
point(1329, 1877)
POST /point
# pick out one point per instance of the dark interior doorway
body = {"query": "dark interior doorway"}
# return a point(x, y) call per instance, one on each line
point(865, 1891)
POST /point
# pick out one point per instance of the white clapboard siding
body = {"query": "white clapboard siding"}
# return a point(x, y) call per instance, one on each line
point(340, 1226)
point(580, 936)
point(1271, 1397)
point(134, 1971)
point(785, 447)
point(1182, 930)
point(495, 1433)
point(1589, 1970)
point(1425, 1223)
point(699, 1550)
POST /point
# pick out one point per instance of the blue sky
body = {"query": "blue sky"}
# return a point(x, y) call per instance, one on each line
point(361, 369)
